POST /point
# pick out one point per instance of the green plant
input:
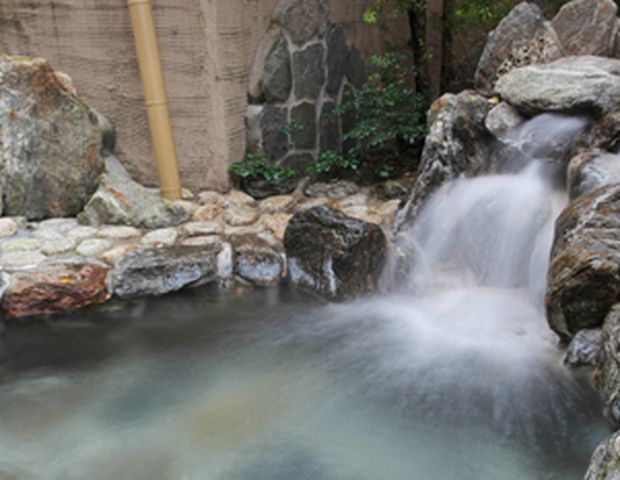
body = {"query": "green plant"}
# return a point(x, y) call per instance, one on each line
point(330, 160)
point(257, 166)
point(389, 117)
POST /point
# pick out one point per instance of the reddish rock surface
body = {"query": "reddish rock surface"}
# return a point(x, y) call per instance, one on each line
point(54, 289)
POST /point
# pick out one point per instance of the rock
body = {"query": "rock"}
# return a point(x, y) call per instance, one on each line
point(329, 131)
point(202, 241)
point(111, 256)
point(225, 267)
point(58, 246)
point(584, 348)
point(114, 166)
point(303, 19)
point(568, 85)
point(277, 80)
point(501, 120)
point(587, 27)
point(334, 190)
point(357, 211)
point(47, 234)
point(393, 189)
point(523, 37)
point(50, 141)
point(313, 202)
point(304, 117)
point(591, 170)
point(210, 212)
point(163, 270)
point(260, 188)
point(163, 237)
point(355, 69)
point(333, 255)
point(203, 228)
point(93, 247)
point(278, 203)
point(21, 245)
point(298, 163)
point(605, 463)
point(238, 214)
point(8, 227)
point(22, 260)
point(584, 275)
point(337, 58)
point(388, 212)
point(607, 372)
point(121, 201)
point(457, 145)
point(60, 225)
point(603, 134)
point(257, 261)
point(356, 200)
point(309, 71)
point(273, 123)
point(82, 233)
point(276, 224)
point(211, 198)
point(55, 288)
point(118, 233)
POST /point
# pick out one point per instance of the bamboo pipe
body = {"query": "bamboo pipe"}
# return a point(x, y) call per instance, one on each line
point(155, 97)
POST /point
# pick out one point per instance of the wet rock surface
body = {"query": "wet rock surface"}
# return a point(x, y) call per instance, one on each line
point(333, 255)
point(607, 373)
point(592, 170)
point(55, 288)
point(584, 349)
point(258, 261)
point(584, 276)
point(606, 460)
point(50, 142)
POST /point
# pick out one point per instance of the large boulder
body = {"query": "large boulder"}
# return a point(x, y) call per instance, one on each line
point(523, 37)
point(50, 142)
point(55, 288)
point(591, 170)
point(258, 261)
point(457, 145)
point(159, 271)
point(604, 134)
point(333, 255)
point(120, 200)
point(303, 19)
point(607, 372)
point(570, 85)
point(587, 27)
point(584, 276)
point(605, 464)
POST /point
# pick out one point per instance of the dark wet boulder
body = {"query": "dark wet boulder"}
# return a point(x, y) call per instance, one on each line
point(607, 373)
point(163, 270)
point(303, 19)
point(584, 276)
point(55, 288)
point(457, 145)
point(605, 464)
point(603, 134)
point(523, 37)
point(333, 255)
point(51, 143)
point(121, 201)
point(569, 85)
point(591, 170)
point(586, 27)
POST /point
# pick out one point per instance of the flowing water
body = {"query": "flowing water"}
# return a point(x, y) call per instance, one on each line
point(453, 375)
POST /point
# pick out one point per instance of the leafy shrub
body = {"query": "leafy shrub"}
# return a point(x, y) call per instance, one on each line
point(258, 166)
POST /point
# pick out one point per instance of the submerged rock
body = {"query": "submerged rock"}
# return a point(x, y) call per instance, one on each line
point(457, 144)
point(50, 142)
point(163, 270)
point(120, 200)
point(55, 288)
point(605, 463)
point(335, 256)
point(584, 276)
point(570, 85)
point(607, 373)
point(523, 37)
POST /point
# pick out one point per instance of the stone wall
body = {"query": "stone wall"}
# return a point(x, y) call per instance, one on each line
point(208, 47)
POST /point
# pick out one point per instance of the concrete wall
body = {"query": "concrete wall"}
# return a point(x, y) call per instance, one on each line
point(207, 49)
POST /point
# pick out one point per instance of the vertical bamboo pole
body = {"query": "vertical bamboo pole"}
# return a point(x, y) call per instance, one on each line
point(155, 97)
